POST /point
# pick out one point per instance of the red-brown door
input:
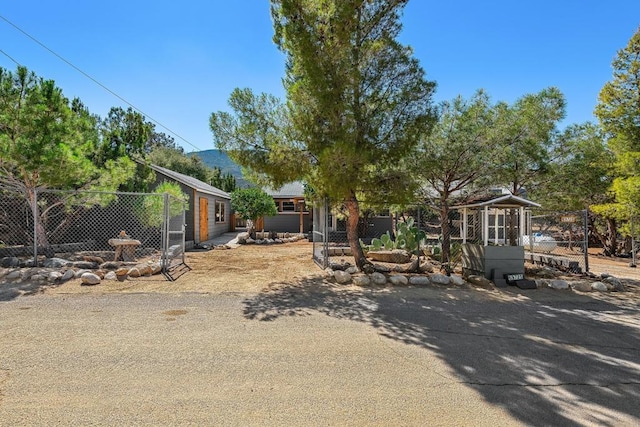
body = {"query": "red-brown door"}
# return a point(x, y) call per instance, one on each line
point(204, 219)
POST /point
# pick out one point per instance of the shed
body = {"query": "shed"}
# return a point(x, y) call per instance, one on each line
point(493, 230)
point(208, 209)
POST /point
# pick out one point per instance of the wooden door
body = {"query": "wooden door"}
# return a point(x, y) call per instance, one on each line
point(204, 219)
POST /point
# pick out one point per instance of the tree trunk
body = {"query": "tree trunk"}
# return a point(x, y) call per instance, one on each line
point(446, 233)
point(352, 231)
point(251, 228)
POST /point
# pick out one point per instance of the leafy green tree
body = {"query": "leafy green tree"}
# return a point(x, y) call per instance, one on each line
point(48, 142)
point(618, 111)
point(357, 103)
point(580, 170)
point(455, 154)
point(176, 160)
point(524, 135)
point(251, 204)
point(151, 213)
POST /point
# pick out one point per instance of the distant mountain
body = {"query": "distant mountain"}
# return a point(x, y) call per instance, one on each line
point(217, 158)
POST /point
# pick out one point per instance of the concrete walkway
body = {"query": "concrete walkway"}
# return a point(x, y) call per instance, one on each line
point(230, 239)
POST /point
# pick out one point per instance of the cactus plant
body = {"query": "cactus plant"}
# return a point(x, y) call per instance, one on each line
point(408, 237)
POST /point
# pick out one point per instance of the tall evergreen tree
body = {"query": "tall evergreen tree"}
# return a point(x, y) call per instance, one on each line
point(357, 103)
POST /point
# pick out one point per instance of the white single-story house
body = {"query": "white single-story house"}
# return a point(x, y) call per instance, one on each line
point(208, 208)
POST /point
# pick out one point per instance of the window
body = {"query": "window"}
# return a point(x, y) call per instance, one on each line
point(288, 207)
point(220, 217)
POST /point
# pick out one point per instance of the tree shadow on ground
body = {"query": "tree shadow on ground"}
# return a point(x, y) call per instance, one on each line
point(12, 290)
point(568, 361)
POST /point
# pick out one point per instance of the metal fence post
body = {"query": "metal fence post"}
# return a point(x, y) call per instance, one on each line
point(34, 213)
point(586, 240)
point(165, 233)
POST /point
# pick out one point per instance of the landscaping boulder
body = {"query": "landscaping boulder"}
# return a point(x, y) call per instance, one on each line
point(599, 286)
point(398, 280)
point(381, 268)
point(396, 256)
point(134, 272)
point(9, 262)
point(342, 277)
point(378, 278)
point(581, 286)
point(419, 281)
point(614, 284)
point(410, 267)
point(54, 276)
point(90, 279)
point(361, 280)
point(111, 276)
point(456, 280)
point(67, 275)
point(558, 284)
point(352, 270)
point(439, 279)
point(56, 263)
point(427, 267)
point(479, 281)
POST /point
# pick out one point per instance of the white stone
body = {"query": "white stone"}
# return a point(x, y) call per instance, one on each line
point(361, 280)
point(559, 285)
point(54, 276)
point(79, 273)
point(90, 279)
point(352, 270)
point(439, 279)
point(456, 280)
point(249, 241)
point(419, 281)
point(398, 280)
point(111, 276)
point(342, 277)
point(599, 286)
point(378, 278)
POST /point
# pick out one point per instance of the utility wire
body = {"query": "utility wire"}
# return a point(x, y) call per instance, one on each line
point(9, 56)
point(93, 80)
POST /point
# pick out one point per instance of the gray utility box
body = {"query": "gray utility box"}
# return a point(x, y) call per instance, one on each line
point(480, 260)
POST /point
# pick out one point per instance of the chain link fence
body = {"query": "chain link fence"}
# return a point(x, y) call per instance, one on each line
point(560, 239)
point(79, 225)
point(550, 238)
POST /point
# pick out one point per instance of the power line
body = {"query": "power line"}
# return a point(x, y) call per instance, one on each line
point(93, 80)
point(9, 56)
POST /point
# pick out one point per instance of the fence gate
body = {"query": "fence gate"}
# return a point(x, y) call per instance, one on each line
point(559, 238)
point(320, 235)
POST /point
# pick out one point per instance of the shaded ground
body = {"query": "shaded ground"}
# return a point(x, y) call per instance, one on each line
point(255, 336)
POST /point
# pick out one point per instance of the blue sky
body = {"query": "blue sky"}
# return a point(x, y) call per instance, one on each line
point(179, 61)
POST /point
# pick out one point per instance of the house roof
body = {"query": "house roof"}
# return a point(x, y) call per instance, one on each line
point(290, 190)
point(191, 182)
point(504, 201)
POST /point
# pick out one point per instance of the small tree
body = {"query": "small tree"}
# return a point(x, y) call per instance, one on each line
point(152, 212)
point(251, 204)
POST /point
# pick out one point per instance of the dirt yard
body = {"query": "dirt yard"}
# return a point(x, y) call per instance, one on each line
point(242, 269)
point(251, 269)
